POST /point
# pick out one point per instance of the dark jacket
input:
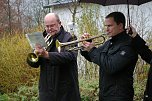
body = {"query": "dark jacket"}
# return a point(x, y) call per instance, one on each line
point(117, 61)
point(58, 74)
point(146, 54)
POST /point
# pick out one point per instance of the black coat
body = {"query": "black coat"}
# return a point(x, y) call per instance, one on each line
point(58, 74)
point(117, 61)
point(146, 54)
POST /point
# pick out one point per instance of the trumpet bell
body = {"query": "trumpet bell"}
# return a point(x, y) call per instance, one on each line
point(32, 57)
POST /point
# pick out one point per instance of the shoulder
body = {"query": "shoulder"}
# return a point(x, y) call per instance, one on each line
point(70, 36)
point(126, 41)
point(125, 46)
point(67, 34)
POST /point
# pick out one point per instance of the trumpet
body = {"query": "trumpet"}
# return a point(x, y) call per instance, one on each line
point(59, 45)
point(33, 57)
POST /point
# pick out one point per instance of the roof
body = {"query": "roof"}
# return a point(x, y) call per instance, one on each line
point(58, 3)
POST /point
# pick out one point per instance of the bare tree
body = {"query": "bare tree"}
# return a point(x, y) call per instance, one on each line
point(5, 16)
point(9, 16)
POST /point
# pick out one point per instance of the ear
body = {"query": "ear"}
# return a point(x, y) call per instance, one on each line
point(121, 26)
point(60, 22)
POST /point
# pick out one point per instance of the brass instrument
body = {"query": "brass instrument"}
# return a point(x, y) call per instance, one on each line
point(59, 44)
point(33, 57)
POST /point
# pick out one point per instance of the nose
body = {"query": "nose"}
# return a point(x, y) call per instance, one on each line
point(49, 28)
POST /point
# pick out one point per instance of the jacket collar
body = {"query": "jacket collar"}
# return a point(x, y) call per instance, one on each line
point(118, 36)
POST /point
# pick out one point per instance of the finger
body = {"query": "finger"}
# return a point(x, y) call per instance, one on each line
point(85, 35)
point(36, 51)
point(37, 45)
point(84, 42)
point(87, 44)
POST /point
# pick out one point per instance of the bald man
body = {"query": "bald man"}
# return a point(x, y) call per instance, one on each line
point(58, 71)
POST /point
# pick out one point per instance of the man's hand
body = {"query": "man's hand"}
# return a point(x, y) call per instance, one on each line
point(134, 33)
point(87, 45)
point(40, 51)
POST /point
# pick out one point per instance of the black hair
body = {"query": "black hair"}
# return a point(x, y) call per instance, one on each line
point(118, 18)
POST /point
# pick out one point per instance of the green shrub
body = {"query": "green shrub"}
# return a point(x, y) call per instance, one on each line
point(89, 89)
point(14, 70)
point(25, 93)
point(3, 97)
point(139, 88)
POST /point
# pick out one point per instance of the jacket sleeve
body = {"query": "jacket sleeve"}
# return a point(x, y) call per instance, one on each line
point(66, 57)
point(114, 62)
point(85, 55)
point(142, 49)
